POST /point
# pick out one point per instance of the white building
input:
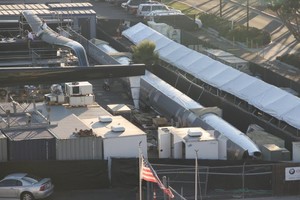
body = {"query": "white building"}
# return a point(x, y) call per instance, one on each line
point(120, 137)
point(180, 143)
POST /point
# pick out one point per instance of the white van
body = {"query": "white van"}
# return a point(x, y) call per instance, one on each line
point(145, 9)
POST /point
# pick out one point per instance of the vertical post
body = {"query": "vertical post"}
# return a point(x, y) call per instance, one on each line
point(247, 15)
point(221, 7)
point(148, 190)
point(243, 179)
point(196, 175)
point(140, 171)
point(181, 192)
point(164, 181)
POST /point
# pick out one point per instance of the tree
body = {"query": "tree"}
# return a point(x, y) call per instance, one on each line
point(144, 53)
point(289, 12)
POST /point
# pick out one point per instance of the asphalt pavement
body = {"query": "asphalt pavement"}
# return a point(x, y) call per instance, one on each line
point(101, 194)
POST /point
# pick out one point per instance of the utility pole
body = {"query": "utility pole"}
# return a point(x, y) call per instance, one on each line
point(247, 15)
point(196, 175)
point(221, 7)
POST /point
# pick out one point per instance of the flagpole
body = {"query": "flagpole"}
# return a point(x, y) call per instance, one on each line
point(140, 171)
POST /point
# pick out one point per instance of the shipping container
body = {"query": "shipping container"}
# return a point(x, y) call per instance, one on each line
point(81, 148)
point(37, 144)
point(3, 148)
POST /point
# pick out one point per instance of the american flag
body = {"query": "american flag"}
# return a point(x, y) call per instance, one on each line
point(148, 174)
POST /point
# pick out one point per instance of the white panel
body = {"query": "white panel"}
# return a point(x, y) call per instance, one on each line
point(164, 143)
point(192, 57)
point(211, 71)
point(253, 90)
point(177, 147)
point(206, 150)
point(296, 151)
point(292, 116)
point(238, 83)
point(284, 105)
point(222, 78)
point(124, 147)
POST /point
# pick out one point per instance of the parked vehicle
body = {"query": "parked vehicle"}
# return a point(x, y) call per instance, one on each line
point(178, 21)
point(131, 6)
point(116, 2)
point(25, 187)
point(150, 16)
point(145, 9)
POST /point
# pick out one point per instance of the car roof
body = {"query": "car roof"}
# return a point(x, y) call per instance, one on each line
point(15, 175)
point(151, 3)
point(157, 13)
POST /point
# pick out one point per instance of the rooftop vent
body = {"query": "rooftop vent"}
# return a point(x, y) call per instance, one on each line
point(194, 132)
point(105, 119)
point(118, 128)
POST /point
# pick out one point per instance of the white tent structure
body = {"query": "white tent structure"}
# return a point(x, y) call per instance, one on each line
point(268, 98)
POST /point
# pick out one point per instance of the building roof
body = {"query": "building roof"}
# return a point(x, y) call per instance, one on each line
point(17, 135)
point(67, 121)
point(105, 129)
point(192, 134)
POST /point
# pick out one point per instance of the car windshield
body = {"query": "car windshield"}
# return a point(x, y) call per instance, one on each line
point(159, 7)
point(31, 178)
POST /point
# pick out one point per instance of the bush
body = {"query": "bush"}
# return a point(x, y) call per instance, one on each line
point(219, 24)
point(238, 33)
point(291, 59)
point(253, 35)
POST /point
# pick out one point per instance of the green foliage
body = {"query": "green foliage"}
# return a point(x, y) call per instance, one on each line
point(286, 5)
point(144, 53)
point(291, 59)
point(238, 33)
point(254, 35)
point(288, 12)
point(219, 24)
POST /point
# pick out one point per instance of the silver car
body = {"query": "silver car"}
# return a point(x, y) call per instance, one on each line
point(25, 187)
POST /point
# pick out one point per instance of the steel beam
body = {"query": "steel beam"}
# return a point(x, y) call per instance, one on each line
point(13, 76)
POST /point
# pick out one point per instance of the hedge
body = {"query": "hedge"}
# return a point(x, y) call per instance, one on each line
point(239, 33)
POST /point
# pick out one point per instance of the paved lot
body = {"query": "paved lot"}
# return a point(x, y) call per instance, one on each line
point(109, 194)
point(130, 194)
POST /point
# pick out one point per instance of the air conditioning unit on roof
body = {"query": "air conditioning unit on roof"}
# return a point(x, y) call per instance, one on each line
point(194, 132)
point(118, 128)
point(105, 119)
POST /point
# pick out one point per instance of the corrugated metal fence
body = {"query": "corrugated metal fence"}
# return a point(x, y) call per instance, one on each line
point(84, 148)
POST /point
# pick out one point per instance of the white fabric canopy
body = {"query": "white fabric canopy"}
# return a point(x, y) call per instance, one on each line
point(268, 98)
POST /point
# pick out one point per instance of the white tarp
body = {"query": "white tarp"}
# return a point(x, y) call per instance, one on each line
point(266, 97)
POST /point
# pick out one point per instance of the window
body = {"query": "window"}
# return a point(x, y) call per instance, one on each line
point(159, 8)
point(10, 182)
point(146, 8)
point(75, 90)
point(31, 178)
